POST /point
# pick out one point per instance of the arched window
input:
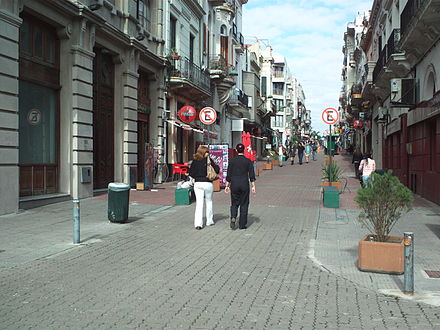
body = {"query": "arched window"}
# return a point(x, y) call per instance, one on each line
point(430, 84)
point(223, 30)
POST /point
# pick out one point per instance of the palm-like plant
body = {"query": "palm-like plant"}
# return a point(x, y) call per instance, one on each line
point(332, 172)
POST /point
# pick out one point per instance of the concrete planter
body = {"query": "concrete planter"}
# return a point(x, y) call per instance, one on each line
point(333, 184)
point(381, 257)
point(267, 166)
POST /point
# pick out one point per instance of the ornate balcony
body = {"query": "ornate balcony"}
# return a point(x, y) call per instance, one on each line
point(186, 78)
point(419, 27)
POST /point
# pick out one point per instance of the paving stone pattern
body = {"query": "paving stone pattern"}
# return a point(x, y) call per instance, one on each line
point(160, 273)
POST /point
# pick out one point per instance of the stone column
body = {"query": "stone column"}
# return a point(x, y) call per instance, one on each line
point(81, 116)
point(129, 81)
point(9, 38)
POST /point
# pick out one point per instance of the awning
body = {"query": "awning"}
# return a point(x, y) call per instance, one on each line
point(189, 127)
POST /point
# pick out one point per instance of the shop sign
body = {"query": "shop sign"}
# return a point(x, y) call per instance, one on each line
point(358, 124)
point(220, 155)
point(187, 113)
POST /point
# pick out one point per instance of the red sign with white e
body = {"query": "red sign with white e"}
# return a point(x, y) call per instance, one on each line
point(208, 116)
point(187, 113)
point(330, 116)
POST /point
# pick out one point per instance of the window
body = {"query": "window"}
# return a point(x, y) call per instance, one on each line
point(173, 32)
point(38, 40)
point(278, 71)
point(223, 30)
point(277, 121)
point(191, 48)
point(279, 104)
point(263, 86)
point(143, 13)
point(278, 88)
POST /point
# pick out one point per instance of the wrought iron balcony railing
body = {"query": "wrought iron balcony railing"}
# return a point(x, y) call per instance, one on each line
point(408, 13)
point(380, 64)
point(183, 68)
point(239, 97)
point(393, 43)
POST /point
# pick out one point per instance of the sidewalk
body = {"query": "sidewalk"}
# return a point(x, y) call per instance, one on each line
point(337, 234)
point(293, 268)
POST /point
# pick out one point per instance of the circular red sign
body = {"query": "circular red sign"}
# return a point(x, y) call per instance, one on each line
point(208, 116)
point(358, 124)
point(330, 116)
point(187, 113)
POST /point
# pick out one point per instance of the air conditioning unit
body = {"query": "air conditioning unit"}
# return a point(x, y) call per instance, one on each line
point(402, 91)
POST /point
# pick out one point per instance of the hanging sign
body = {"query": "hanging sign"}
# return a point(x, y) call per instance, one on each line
point(208, 116)
point(330, 116)
point(187, 113)
point(358, 124)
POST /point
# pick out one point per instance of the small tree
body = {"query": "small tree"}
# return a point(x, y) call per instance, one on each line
point(382, 202)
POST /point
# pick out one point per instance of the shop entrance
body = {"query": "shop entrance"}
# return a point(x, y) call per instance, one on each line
point(103, 119)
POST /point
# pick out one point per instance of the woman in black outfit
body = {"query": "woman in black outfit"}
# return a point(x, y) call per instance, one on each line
point(240, 172)
point(203, 187)
point(300, 153)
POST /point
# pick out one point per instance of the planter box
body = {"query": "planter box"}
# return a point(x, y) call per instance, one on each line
point(381, 257)
point(331, 197)
point(267, 166)
point(333, 184)
point(275, 162)
point(184, 196)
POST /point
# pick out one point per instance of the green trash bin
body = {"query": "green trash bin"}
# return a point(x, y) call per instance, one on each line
point(118, 196)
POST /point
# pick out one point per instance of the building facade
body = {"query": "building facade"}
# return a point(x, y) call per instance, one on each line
point(399, 91)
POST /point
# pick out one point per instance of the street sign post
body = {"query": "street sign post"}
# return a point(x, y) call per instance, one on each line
point(208, 116)
point(330, 116)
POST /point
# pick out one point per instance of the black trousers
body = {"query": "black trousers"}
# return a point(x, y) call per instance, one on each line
point(240, 199)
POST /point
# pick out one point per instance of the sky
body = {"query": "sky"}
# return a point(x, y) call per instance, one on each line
point(310, 34)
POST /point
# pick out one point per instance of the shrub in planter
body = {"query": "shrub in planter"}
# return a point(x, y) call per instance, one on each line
point(382, 202)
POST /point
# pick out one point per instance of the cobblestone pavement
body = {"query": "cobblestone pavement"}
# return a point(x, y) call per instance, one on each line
point(160, 273)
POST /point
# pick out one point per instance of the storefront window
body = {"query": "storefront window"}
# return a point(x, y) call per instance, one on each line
point(37, 112)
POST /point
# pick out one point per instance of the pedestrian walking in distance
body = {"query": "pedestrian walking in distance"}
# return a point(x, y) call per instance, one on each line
point(280, 155)
point(240, 173)
point(203, 187)
point(356, 160)
point(314, 150)
point(366, 167)
point(308, 151)
point(292, 154)
point(300, 153)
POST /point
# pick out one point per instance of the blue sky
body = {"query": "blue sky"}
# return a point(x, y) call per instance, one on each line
point(310, 34)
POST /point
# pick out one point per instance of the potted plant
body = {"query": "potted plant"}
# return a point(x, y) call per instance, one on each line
point(268, 164)
point(332, 174)
point(382, 202)
point(173, 54)
point(274, 157)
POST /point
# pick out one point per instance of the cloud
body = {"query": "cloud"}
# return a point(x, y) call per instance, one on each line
point(309, 33)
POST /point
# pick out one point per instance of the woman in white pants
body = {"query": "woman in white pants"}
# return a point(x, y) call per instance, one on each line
point(203, 187)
